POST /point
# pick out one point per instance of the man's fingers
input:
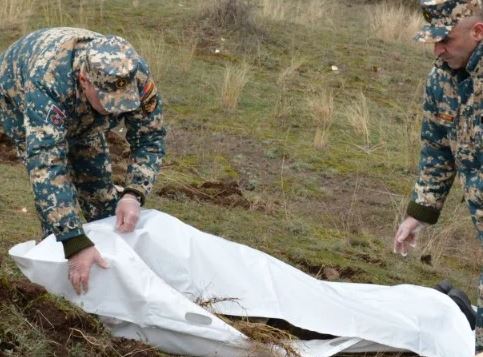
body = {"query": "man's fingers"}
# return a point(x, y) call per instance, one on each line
point(102, 262)
point(128, 223)
point(75, 281)
point(119, 219)
point(84, 281)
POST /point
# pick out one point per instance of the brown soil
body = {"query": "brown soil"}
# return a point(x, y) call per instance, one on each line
point(327, 272)
point(64, 328)
point(227, 194)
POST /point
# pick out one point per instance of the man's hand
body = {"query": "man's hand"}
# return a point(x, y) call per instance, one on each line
point(406, 235)
point(80, 266)
point(127, 213)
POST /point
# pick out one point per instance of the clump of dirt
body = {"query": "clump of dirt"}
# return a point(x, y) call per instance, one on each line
point(8, 153)
point(64, 327)
point(226, 194)
point(328, 272)
point(119, 150)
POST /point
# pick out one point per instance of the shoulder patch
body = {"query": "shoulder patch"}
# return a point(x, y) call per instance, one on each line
point(149, 97)
point(56, 115)
point(445, 117)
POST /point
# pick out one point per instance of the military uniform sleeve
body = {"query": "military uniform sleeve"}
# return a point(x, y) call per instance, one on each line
point(437, 165)
point(145, 134)
point(47, 167)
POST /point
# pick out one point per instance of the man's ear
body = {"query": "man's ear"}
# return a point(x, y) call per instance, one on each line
point(477, 31)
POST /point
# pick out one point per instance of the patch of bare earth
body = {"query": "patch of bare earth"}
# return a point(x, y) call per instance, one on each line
point(63, 328)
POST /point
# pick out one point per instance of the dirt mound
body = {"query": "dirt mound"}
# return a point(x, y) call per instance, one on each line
point(65, 327)
point(7, 149)
point(226, 194)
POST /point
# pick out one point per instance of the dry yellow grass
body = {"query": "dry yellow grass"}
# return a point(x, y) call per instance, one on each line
point(394, 22)
point(358, 116)
point(15, 12)
point(153, 49)
point(321, 108)
point(186, 52)
point(235, 79)
point(306, 12)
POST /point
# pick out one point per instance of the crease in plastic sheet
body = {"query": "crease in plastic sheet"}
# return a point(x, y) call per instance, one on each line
point(157, 273)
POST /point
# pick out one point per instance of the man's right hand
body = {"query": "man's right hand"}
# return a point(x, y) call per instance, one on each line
point(406, 235)
point(80, 265)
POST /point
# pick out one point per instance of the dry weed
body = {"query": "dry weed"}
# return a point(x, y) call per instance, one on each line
point(394, 22)
point(186, 51)
point(274, 9)
point(358, 115)
point(321, 108)
point(15, 12)
point(153, 49)
point(305, 12)
point(235, 79)
point(235, 15)
point(314, 12)
point(284, 106)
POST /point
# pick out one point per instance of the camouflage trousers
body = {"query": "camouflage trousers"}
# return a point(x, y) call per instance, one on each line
point(88, 166)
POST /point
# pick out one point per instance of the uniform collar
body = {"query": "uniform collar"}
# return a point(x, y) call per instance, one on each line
point(474, 63)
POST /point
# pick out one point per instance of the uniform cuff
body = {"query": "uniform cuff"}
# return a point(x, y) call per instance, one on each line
point(142, 197)
point(424, 214)
point(75, 245)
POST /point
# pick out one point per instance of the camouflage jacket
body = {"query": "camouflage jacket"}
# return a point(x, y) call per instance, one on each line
point(39, 79)
point(451, 140)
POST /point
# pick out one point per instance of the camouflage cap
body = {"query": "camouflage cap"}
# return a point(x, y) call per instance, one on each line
point(111, 64)
point(442, 16)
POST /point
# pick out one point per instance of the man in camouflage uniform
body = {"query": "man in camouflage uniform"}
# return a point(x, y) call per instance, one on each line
point(61, 89)
point(452, 126)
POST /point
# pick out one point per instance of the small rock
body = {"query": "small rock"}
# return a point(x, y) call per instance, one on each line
point(331, 274)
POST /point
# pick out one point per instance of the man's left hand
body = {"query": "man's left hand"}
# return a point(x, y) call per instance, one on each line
point(127, 213)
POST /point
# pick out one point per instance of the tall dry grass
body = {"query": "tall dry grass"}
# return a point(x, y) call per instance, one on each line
point(15, 12)
point(321, 108)
point(307, 12)
point(235, 79)
point(153, 48)
point(358, 116)
point(187, 46)
point(394, 22)
point(287, 75)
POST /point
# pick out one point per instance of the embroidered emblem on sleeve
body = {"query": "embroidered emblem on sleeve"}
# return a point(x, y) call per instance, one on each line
point(56, 115)
point(149, 97)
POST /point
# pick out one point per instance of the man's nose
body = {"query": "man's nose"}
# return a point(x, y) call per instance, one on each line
point(439, 49)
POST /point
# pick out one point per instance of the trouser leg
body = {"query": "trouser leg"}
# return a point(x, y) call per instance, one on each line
point(92, 176)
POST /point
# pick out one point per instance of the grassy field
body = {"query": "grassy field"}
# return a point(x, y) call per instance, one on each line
point(308, 111)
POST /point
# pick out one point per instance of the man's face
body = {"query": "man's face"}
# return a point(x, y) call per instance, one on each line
point(91, 94)
point(458, 46)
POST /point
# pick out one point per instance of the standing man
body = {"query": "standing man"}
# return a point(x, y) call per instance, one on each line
point(452, 130)
point(61, 89)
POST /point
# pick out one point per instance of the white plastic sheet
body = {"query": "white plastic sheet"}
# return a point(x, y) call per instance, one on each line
point(156, 270)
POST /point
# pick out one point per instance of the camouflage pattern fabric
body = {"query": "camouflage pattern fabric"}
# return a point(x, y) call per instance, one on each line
point(451, 144)
point(61, 138)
